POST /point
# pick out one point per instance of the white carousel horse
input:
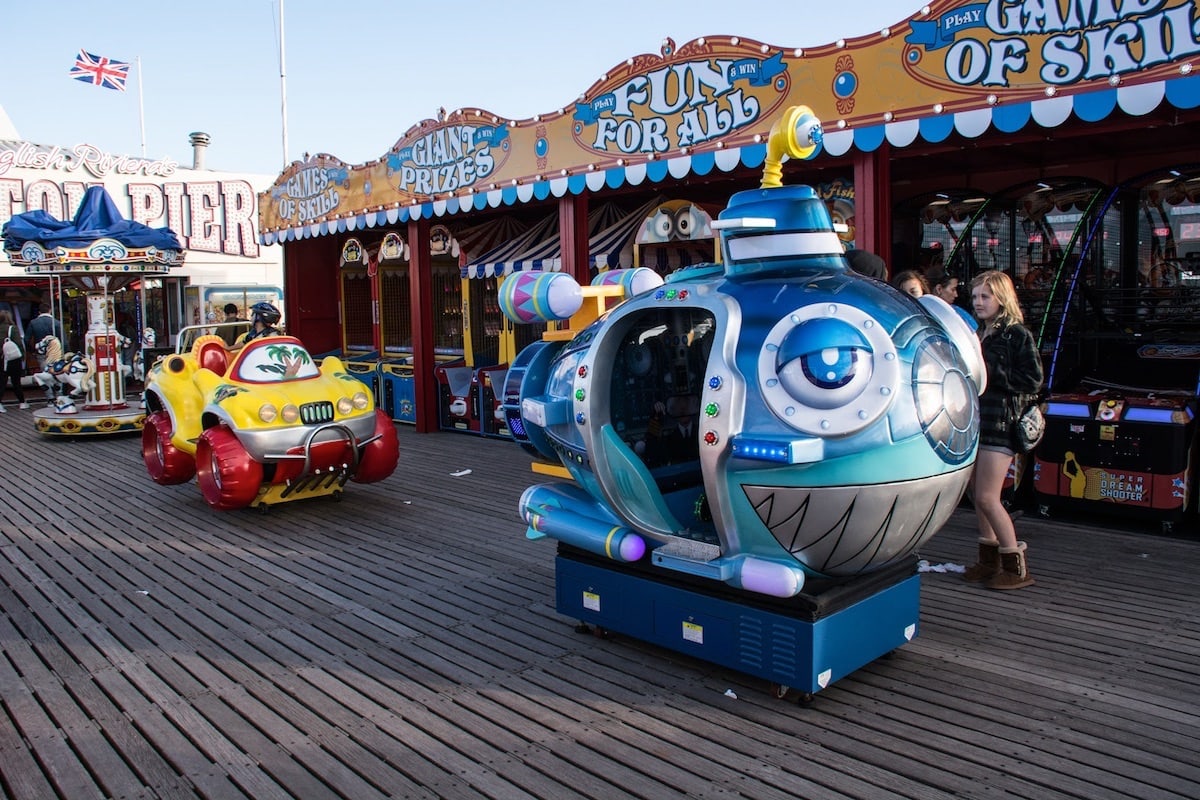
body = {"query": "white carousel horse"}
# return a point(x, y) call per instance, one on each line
point(149, 341)
point(60, 371)
point(124, 342)
point(138, 368)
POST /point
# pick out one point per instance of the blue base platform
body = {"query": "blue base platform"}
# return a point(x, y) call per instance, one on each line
point(806, 642)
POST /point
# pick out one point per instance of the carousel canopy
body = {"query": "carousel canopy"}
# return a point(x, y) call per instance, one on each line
point(98, 243)
point(97, 218)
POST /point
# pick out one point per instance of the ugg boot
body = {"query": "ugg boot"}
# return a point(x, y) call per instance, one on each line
point(988, 565)
point(1014, 573)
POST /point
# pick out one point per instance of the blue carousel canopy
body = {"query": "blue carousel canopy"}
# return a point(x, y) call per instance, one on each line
point(97, 218)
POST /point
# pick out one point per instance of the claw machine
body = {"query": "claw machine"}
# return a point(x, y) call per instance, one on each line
point(357, 305)
point(486, 337)
point(457, 408)
point(458, 381)
point(397, 392)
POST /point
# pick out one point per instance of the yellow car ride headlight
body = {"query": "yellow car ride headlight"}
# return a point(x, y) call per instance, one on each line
point(360, 400)
point(267, 412)
point(290, 413)
point(344, 405)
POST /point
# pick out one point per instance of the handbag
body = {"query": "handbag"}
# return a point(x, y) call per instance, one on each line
point(1030, 423)
point(11, 351)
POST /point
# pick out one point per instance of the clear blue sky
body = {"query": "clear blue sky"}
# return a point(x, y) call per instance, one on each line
point(359, 73)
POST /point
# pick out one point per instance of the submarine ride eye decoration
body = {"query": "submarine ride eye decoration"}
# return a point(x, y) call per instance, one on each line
point(943, 394)
point(828, 369)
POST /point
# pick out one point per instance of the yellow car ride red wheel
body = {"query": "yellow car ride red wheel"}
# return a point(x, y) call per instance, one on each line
point(378, 459)
point(227, 475)
point(165, 462)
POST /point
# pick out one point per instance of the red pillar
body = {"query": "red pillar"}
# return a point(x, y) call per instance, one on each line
point(420, 285)
point(573, 237)
point(873, 202)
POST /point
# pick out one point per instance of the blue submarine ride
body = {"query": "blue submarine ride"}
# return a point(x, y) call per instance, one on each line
point(775, 433)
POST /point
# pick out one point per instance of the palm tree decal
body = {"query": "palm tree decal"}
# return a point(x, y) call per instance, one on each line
point(288, 360)
point(226, 391)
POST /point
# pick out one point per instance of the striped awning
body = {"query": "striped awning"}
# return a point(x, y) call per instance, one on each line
point(612, 247)
point(506, 259)
point(472, 242)
point(610, 243)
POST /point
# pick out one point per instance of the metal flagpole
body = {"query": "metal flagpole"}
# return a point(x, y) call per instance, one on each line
point(282, 86)
point(141, 106)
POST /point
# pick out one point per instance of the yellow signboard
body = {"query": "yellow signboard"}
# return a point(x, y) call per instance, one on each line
point(721, 93)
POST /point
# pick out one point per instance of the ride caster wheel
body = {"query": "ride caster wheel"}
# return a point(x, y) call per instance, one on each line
point(779, 690)
point(583, 627)
point(264, 508)
point(804, 699)
point(337, 496)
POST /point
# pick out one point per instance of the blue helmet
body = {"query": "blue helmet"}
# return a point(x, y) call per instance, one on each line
point(265, 313)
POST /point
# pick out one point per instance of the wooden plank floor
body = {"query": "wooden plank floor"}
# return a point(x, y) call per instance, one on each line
point(404, 643)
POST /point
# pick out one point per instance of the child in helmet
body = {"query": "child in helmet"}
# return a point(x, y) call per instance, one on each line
point(263, 318)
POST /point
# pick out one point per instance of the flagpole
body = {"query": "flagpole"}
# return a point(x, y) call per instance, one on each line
point(282, 86)
point(141, 106)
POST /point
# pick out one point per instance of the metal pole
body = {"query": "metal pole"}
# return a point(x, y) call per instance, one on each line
point(141, 105)
point(282, 86)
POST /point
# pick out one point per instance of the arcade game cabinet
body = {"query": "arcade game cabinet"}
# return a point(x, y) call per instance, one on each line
point(1123, 440)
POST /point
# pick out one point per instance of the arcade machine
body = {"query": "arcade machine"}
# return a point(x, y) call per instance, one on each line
point(467, 388)
point(356, 303)
point(756, 449)
point(458, 401)
point(1122, 440)
point(1032, 231)
point(397, 394)
point(460, 383)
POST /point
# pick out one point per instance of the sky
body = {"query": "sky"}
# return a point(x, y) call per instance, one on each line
point(358, 73)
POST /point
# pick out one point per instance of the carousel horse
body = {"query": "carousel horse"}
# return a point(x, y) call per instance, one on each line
point(123, 344)
point(60, 371)
point(149, 342)
point(138, 368)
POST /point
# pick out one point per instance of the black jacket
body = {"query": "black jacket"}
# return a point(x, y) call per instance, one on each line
point(40, 327)
point(1014, 372)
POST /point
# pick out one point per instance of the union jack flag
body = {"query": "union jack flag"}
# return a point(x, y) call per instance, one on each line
point(100, 71)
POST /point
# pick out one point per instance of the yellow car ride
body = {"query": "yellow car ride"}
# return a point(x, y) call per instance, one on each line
point(261, 425)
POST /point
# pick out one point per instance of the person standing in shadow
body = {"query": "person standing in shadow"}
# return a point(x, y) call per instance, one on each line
point(14, 368)
point(230, 333)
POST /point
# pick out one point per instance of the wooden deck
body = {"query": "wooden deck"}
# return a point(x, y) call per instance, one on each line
point(404, 643)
